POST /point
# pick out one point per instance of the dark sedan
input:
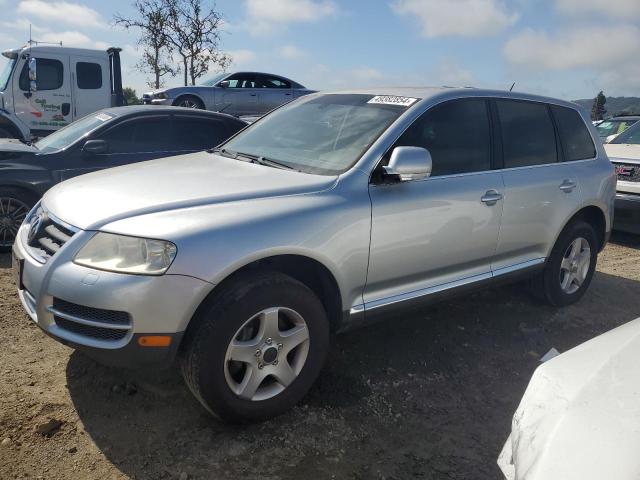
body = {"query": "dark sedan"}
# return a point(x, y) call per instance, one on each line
point(108, 138)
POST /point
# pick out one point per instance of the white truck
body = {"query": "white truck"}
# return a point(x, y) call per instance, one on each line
point(44, 88)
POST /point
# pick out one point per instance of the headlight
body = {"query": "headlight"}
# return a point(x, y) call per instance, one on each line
point(160, 96)
point(119, 253)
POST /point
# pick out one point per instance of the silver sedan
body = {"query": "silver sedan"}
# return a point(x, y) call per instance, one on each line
point(240, 93)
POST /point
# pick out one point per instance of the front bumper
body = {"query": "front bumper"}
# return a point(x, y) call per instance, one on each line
point(157, 101)
point(627, 214)
point(151, 305)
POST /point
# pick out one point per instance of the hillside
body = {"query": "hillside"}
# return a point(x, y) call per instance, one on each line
point(614, 105)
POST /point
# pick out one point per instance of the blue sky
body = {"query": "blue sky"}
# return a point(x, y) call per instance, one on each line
point(565, 48)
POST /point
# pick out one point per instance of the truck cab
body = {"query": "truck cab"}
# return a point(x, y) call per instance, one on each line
point(44, 88)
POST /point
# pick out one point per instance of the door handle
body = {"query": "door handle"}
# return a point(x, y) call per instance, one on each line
point(491, 197)
point(567, 185)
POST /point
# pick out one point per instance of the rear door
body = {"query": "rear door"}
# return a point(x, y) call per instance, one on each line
point(541, 191)
point(49, 108)
point(274, 92)
point(90, 84)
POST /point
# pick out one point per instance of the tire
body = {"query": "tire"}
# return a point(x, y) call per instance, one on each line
point(189, 101)
point(15, 204)
point(555, 284)
point(207, 352)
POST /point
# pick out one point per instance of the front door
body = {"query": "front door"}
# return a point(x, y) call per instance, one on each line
point(49, 108)
point(433, 233)
point(90, 83)
point(240, 97)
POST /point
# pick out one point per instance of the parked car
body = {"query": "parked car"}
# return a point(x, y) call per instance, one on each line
point(241, 93)
point(624, 153)
point(108, 138)
point(579, 418)
point(44, 88)
point(608, 129)
point(322, 215)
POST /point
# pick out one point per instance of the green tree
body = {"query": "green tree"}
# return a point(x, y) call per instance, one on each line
point(598, 110)
point(131, 96)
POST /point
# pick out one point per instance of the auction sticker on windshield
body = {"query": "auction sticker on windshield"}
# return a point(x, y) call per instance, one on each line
point(393, 100)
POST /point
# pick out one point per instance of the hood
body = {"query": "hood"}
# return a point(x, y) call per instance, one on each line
point(580, 416)
point(623, 151)
point(15, 146)
point(95, 199)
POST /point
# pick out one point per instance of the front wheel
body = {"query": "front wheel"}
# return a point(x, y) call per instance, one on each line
point(570, 267)
point(256, 348)
point(14, 207)
point(189, 101)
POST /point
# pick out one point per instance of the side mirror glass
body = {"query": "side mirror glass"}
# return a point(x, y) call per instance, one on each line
point(33, 76)
point(409, 163)
point(95, 147)
point(224, 84)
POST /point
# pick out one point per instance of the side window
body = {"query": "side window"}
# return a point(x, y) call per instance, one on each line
point(141, 135)
point(457, 135)
point(265, 81)
point(528, 136)
point(198, 133)
point(50, 74)
point(574, 136)
point(88, 75)
point(242, 81)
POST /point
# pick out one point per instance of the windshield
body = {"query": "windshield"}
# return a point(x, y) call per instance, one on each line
point(6, 72)
point(73, 132)
point(629, 136)
point(212, 81)
point(614, 127)
point(325, 134)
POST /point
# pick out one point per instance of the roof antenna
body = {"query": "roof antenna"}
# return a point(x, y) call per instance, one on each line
point(512, 85)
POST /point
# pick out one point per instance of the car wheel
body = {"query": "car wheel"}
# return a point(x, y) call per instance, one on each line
point(189, 101)
point(14, 207)
point(256, 347)
point(570, 267)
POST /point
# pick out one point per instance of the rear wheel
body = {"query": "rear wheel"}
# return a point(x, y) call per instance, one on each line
point(256, 348)
point(189, 101)
point(14, 206)
point(570, 266)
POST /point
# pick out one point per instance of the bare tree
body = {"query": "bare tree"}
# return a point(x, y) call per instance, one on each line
point(153, 22)
point(194, 34)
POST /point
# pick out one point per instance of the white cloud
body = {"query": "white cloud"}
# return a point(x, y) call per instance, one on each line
point(364, 74)
point(242, 57)
point(265, 15)
point(464, 18)
point(579, 47)
point(449, 72)
point(65, 13)
point(291, 52)
point(614, 8)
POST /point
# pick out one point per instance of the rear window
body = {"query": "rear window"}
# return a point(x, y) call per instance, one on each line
point(198, 133)
point(574, 136)
point(528, 136)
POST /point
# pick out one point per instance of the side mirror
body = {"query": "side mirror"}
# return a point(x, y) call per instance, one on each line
point(95, 147)
point(409, 163)
point(33, 76)
point(224, 84)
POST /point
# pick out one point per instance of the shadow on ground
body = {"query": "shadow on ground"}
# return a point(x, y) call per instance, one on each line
point(427, 395)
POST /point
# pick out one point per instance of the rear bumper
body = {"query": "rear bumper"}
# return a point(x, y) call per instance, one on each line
point(627, 214)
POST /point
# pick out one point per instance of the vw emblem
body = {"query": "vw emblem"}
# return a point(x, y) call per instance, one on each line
point(35, 226)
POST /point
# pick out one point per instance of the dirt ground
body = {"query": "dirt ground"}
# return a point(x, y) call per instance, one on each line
point(426, 396)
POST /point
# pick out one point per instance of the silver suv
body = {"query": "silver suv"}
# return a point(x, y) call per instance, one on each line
point(324, 214)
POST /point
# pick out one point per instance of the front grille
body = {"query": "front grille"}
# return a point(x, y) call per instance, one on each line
point(113, 317)
point(90, 331)
point(627, 172)
point(46, 235)
point(96, 323)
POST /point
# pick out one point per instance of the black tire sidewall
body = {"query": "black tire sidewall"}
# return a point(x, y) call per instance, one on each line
point(553, 290)
point(28, 199)
point(220, 322)
point(192, 98)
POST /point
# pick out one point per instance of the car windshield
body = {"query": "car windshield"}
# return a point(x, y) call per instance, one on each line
point(324, 135)
point(73, 132)
point(6, 73)
point(212, 81)
point(614, 127)
point(629, 136)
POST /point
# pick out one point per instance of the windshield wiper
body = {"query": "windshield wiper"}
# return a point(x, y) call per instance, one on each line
point(261, 160)
point(224, 152)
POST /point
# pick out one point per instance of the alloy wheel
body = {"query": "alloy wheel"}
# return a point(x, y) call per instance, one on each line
point(12, 213)
point(188, 104)
point(574, 267)
point(266, 354)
